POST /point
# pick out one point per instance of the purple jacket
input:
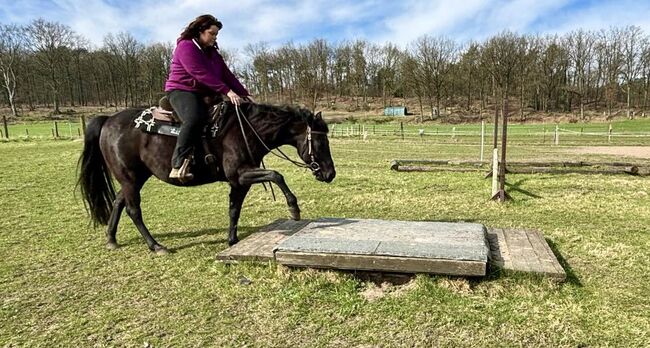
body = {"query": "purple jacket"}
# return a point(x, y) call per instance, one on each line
point(201, 70)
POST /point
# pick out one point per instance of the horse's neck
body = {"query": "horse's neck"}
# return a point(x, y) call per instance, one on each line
point(276, 134)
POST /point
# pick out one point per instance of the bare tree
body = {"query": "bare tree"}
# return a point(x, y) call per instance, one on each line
point(610, 61)
point(12, 41)
point(581, 50)
point(50, 42)
point(632, 42)
point(388, 73)
point(435, 57)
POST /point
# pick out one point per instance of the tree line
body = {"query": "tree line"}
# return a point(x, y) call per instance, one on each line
point(48, 64)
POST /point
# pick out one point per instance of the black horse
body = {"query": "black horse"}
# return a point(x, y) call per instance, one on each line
point(114, 148)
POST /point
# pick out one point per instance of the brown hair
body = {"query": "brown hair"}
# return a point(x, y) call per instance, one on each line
point(198, 25)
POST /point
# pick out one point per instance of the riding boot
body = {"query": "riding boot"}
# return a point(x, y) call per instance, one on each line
point(183, 173)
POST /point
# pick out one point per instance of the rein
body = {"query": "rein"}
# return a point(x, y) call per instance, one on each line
point(313, 166)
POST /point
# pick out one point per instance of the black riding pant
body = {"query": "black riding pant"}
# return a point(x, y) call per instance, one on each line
point(191, 110)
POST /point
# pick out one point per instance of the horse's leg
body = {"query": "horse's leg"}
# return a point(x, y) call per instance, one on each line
point(237, 195)
point(254, 176)
point(131, 195)
point(111, 230)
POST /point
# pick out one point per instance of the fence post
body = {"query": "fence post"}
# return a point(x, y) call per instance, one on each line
point(482, 139)
point(26, 132)
point(401, 127)
point(557, 134)
point(495, 171)
point(56, 129)
point(83, 124)
point(609, 134)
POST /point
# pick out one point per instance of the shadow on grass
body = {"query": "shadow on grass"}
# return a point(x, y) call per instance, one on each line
point(571, 277)
point(242, 233)
point(517, 187)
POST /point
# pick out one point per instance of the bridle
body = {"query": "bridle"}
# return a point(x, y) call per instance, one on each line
point(313, 165)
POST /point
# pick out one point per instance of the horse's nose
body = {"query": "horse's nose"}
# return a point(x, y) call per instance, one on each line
point(329, 177)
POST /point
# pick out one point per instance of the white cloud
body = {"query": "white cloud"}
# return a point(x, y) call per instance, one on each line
point(276, 22)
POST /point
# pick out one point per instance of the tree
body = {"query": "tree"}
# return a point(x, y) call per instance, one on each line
point(610, 60)
point(50, 41)
point(581, 50)
point(632, 42)
point(12, 40)
point(435, 57)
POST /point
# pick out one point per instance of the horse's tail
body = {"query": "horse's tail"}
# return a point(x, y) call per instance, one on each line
point(94, 177)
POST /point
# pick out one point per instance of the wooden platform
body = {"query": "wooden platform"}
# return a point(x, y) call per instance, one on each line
point(515, 250)
point(259, 245)
point(523, 251)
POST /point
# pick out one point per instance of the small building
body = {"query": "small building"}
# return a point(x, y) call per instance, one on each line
point(395, 111)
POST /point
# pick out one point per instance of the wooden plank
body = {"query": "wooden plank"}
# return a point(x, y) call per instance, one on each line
point(259, 245)
point(551, 266)
point(523, 251)
point(517, 245)
point(381, 263)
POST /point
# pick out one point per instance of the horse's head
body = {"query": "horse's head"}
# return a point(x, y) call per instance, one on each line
point(314, 147)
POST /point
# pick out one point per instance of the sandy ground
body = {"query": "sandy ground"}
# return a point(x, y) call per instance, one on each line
point(628, 151)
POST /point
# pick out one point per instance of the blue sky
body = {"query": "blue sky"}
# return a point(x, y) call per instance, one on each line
point(277, 22)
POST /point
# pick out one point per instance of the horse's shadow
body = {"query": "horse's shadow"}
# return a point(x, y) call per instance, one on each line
point(220, 234)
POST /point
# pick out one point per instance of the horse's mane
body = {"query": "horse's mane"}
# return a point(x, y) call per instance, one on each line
point(283, 114)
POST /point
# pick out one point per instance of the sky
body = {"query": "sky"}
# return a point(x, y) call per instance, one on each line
point(281, 21)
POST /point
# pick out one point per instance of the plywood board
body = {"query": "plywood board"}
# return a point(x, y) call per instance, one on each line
point(391, 246)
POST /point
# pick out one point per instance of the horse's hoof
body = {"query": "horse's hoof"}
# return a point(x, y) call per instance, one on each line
point(295, 214)
point(161, 250)
point(112, 246)
point(233, 241)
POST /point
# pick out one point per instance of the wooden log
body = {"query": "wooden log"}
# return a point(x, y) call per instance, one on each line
point(546, 170)
point(434, 169)
point(449, 162)
point(401, 162)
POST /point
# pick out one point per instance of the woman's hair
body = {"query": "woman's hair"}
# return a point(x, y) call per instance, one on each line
point(198, 25)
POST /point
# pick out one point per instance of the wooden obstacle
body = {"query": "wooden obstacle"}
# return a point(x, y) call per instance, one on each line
point(526, 167)
point(424, 247)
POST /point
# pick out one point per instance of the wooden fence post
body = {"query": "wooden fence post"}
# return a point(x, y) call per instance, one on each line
point(609, 134)
point(83, 124)
point(482, 139)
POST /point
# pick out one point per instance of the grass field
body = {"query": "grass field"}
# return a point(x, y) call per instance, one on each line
point(61, 287)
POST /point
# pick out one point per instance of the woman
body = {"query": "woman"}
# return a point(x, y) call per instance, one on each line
point(197, 70)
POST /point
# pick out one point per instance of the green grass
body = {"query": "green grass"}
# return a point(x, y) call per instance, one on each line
point(60, 287)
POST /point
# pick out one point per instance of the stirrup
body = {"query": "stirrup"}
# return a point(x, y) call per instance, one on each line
point(183, 173)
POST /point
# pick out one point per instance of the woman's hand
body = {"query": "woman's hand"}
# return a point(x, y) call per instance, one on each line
point(234, 98)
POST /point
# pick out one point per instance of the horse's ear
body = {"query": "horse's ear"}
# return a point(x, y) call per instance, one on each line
point(319, 116)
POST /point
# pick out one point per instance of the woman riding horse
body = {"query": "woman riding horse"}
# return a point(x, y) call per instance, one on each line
point(197, 70)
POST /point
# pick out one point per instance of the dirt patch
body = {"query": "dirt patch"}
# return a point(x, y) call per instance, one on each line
point(628, 151)
point(374, 291)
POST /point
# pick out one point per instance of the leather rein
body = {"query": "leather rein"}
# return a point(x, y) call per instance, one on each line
point(313, 166)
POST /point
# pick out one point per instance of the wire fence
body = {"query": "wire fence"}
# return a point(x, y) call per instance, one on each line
point(588, 135)
point(471, 134)
point(44, 130)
